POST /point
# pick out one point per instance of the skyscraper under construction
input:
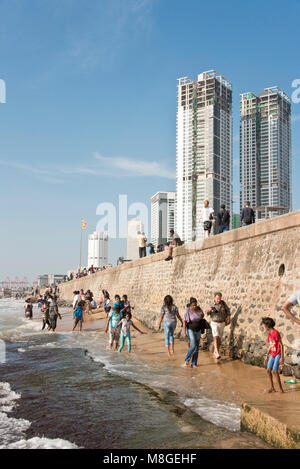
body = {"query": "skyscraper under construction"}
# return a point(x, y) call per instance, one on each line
point(203, 150)
point(265, 152)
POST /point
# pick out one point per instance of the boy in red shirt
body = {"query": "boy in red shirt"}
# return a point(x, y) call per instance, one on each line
point(275, 353)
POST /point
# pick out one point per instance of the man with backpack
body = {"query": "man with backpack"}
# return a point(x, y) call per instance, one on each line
point(248, 216)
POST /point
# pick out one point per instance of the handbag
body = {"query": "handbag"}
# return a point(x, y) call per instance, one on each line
point(201, 326)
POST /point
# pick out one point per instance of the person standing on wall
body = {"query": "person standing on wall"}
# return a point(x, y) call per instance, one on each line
point(142, 240)
point(248, 215)
point(207, 217)
point(294, 300)
point(223, 219)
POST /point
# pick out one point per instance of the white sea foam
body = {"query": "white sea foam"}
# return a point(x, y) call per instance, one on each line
point(12, 430)
point(41, 443)
point(223, 414)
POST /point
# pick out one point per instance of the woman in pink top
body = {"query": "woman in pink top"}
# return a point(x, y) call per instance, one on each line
point(194, 324)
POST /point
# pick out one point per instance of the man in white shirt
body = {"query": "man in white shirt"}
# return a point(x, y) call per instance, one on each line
point(76, 298)
point(142, 240)
point(294, 300)
point(207, 217)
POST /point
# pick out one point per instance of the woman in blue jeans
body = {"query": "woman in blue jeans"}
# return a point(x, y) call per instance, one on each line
point(169, 314)
point(193, 327)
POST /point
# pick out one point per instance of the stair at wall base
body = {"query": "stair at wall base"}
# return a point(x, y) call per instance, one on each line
point(278, 434)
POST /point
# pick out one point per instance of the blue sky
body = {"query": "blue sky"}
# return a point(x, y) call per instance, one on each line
point(91, 90)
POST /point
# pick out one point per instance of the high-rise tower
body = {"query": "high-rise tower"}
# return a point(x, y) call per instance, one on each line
point(265, 151)
point(203, 150)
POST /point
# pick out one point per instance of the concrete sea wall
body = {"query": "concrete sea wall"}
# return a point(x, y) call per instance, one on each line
point(256, 268)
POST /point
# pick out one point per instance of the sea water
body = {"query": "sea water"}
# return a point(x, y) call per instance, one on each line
point(68, 390)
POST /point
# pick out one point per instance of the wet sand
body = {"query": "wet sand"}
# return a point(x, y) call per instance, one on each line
point(224, 379)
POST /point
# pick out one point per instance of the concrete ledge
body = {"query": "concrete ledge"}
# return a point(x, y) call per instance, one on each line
point(280, 223)
point(271, 430)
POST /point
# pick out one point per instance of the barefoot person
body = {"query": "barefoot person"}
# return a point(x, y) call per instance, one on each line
point(275, 355)
point(78, 315)
point(125, 307)
point(45, 312)
point(193, 322)
point(112, 324)
point(169, 314)
point(53, 313)
point(125, 324)
point(28, 307)
point(220, 317)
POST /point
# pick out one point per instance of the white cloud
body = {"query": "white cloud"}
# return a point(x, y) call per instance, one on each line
point(100, 166)
point(25, 167)
point(137, 167)
point(79, 170)
point(44, 174)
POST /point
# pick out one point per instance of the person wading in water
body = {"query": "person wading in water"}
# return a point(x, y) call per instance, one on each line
point(28, 307)
point(169, 314)
point(53, 313)
point(194, 323)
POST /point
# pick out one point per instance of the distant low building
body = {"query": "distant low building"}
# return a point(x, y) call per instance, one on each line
point(49, 279)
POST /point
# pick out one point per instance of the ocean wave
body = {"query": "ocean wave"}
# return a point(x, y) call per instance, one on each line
point(222, 414)
point(12, 430)
point(41, 443)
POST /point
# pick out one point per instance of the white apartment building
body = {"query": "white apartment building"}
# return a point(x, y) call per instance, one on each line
point(162, 217)
point(265, 152)
point(203, 150)
point(98, 249)
point(134, 225)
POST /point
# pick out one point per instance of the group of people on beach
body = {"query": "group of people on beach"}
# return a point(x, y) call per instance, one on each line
point(118, 317)
point(194, 325)
point(49, 309)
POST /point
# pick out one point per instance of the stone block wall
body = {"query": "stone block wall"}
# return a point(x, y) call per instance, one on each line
point(256, 268)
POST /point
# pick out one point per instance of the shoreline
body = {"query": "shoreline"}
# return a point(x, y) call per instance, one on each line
point(275, 418)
